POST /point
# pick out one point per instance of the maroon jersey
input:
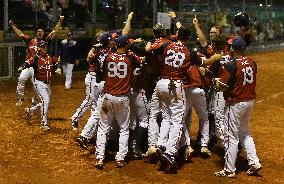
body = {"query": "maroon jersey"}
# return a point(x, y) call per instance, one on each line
point(157, 49)
point(97, 58)
point(194, 78)
point(32, 45)
point(43, 66)
point(240, 77)
point(175, 56)
point(118, 71)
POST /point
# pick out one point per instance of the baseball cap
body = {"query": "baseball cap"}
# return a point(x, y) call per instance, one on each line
point(238, 43)
point(117, 33)
point(105, 38)
point(122, 41)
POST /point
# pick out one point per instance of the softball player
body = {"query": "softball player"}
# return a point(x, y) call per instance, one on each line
point(32, 50)
point(238, 81)
point(44, 67)
point(99, 50)
point(117, 71)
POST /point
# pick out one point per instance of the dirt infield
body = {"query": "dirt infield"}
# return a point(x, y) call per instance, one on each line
point(30, 155)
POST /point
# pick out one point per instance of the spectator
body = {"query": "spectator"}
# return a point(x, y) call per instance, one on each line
point(68, 57)
point(80, 6)
point(64, 4)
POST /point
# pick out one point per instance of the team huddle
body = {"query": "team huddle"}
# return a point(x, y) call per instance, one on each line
point(142, 93)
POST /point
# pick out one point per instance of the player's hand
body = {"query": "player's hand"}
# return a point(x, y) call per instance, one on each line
point(195, 20)
point(148, 47)
point(61, 17)
point(172, 15)
point(143, 59)
point(11, 22)
point(20, 69)
point(58, 71)
point(202, 70)
point(130, 15)
point(77, 61)
point(97, 45)
point(138, 40)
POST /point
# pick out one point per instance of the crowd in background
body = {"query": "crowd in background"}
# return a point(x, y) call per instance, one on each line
point(267, 25)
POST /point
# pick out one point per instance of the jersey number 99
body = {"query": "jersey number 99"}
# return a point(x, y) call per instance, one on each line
point(117, 69)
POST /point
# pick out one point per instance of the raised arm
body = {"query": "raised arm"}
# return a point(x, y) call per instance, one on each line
point(127, 26)
point(18, 32)
point(173, 16)
point(57, 27)
point(200, 34)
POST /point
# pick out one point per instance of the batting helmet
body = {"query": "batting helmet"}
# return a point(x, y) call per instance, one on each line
point(241, 19)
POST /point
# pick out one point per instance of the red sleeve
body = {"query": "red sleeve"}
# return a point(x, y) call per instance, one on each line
point(30, 61)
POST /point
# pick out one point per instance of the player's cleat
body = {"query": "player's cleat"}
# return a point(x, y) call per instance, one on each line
point(254, 168)
point(224, 173)
point(28, 113)
point(159, 151)
point(136, 155)
point(170, 159)
point(74, 125)
point(20, 102)
point(205, 151)
point(120, 163)
point(150, 156)
point(188, 152)
point(83, 142)
point(44, 127)
point(99, 164)
point(67, 87)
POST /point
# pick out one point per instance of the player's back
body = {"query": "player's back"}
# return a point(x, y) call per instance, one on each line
point(243, 82)
point(175, 56)
point(118, 72)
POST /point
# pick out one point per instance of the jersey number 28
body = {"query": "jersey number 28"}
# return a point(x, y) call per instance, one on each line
point(174, 58)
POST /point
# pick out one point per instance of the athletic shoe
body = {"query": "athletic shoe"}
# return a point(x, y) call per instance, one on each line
point(74, 125)
point(136, 155)
point(224, 173)
point(99, 164)
point(170, 159)
point(83, 142)
point(20, 102)
point(120, 163)
point(28, 113)
point(205, 151)
point(44, 127)
point(254, 168)
point(67, 87)
point(150, 156)
point(188, 153)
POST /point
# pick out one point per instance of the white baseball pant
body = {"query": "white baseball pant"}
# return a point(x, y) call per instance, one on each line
point(172, 106)
point(237, 129)
point(90, 82)
point(67, 71)
point(153, 128)
point(217, 108)
point(90, 129)
point(114, 108)
point(139, 109)
point(24, 76)
point(195, 97)
point(43, 91)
